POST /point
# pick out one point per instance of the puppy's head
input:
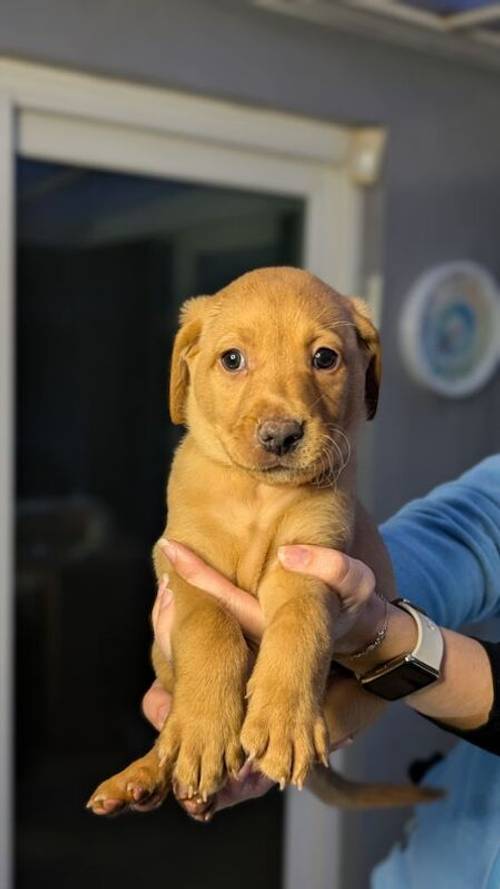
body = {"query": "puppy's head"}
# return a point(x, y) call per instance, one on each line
point(274, 373)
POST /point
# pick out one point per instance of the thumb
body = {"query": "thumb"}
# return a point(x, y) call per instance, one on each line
point(163, 616)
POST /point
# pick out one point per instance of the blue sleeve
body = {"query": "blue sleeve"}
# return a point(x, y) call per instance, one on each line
point(445, 548)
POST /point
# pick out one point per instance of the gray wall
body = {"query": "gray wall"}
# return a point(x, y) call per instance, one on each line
point(442, 198)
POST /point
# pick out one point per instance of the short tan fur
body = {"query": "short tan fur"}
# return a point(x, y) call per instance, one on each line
point(234, 496)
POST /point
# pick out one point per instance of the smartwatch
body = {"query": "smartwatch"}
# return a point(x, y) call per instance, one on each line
point(408, 673)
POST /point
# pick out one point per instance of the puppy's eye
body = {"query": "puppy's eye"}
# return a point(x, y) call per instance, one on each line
point(325, 359)
point(233, 360)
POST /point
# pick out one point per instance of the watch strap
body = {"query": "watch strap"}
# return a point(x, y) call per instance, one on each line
point(429, 646)
point(409, 672)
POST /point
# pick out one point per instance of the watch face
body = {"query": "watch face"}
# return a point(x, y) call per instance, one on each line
point(403, 680)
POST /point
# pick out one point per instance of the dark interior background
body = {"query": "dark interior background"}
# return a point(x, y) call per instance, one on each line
point(104, 261)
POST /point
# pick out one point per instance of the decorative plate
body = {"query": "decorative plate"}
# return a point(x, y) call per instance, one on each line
point(450, 329)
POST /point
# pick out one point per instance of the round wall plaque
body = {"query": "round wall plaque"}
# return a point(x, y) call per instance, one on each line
point(450, 329)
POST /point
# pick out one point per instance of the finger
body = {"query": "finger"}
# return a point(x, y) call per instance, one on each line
point(242, 605)
point(348, 709)
point(249, 784)
point(163, 621)
point(151, 803)
point(352, 580)
point(156, 705)
point(346, 742)
point(159, 601)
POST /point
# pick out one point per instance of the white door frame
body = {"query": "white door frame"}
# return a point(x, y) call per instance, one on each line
point(77, 118)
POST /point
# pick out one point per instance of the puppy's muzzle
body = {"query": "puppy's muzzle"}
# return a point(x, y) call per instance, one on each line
point(280, 436)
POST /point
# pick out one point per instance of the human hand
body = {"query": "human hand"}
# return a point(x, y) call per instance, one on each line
point(356, 610)
point(350, 708)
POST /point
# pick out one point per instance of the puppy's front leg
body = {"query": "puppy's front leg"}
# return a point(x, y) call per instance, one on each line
point(200, 739)
point(284, 730)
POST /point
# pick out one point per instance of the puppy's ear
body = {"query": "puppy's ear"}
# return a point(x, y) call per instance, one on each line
point(369, 341)
point(192, 315)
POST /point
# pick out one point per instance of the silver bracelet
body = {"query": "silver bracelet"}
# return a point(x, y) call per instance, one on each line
point(378, 639)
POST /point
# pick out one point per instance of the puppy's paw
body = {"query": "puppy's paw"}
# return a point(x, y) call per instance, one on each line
point(201, 751)
point(197, 808)
point(141, 787)
point(284, 737)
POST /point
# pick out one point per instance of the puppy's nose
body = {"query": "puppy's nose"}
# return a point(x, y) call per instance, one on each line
point(280, 436)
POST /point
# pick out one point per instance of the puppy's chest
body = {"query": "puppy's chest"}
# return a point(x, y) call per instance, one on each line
point(252, 527)
point(252, 560)
point(257, 527)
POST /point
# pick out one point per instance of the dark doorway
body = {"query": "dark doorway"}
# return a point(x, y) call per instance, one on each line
point(104, 261)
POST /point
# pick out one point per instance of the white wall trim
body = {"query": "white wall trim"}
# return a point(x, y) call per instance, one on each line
point(6, 481)
point(76, 118)
point(41, 88)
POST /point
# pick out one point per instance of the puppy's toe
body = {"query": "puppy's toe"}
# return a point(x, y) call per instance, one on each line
point(205, 750)
point(199, 774)
point(277, 762)
point(146, 801)
point(187, 770)
point(213, 773)
point(100, 804)
point(140, 787)
point(303, 757)
point(169, 743)
point(282, 738)
point(197, 808)
point(321, 740)
point(255, 736)
point(234, 757)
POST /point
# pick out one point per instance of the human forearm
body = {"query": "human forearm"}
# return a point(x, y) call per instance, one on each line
point(463, 696)
point(445, 548)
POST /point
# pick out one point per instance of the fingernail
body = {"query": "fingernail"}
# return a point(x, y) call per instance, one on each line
point(168, 548)
point(162, 586)
point(166, 598)
point(294, 556)
point(161, 716)
point(345, 743)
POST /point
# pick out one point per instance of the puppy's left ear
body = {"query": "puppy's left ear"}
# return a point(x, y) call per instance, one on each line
point(369, 342)
point(192, 315)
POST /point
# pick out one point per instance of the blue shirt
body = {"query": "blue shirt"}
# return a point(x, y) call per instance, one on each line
point(445, 550)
